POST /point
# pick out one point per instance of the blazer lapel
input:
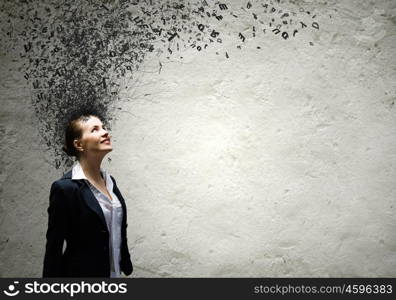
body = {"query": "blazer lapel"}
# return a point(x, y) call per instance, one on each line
point(92, 202)
point(121, 199)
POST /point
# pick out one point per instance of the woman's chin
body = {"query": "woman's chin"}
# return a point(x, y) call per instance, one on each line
point(107, 149)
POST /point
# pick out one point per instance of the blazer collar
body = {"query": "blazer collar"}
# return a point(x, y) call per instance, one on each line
point(67, 175)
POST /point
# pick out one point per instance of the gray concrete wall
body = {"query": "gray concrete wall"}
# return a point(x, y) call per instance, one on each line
point(235, 162)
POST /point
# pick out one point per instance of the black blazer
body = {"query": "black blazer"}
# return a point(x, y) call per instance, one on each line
point(75, 216)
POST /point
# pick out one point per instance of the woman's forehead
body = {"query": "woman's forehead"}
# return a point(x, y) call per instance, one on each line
point(91, 122)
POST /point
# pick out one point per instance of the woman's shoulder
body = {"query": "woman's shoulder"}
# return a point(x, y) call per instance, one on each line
point(65, 182)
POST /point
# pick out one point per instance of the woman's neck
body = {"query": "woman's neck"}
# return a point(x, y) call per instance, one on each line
point(91, 167)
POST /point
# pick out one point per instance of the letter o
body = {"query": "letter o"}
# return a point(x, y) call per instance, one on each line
point(47, 288)
point(110, 288)
point(96, 288)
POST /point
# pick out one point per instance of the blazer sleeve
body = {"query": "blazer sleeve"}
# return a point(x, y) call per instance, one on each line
point(56, 232)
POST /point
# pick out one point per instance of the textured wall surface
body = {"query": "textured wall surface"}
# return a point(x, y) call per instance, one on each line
point(260, 155)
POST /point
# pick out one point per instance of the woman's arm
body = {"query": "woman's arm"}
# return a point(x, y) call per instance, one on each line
point(56, 232)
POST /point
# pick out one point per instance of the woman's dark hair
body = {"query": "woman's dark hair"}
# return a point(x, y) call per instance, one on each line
point(74, 131)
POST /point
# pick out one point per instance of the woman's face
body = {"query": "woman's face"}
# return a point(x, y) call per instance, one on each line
point(94, 139)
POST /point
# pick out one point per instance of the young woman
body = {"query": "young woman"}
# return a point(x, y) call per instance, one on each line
point(86, 210)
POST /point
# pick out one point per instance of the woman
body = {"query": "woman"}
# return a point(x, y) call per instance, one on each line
point(86, 210)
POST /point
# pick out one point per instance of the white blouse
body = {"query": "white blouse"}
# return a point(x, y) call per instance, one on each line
point(113, 214)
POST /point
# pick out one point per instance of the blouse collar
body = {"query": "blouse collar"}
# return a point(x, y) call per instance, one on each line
point(78, 173)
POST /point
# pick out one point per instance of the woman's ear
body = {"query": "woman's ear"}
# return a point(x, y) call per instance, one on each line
point(78, 145)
